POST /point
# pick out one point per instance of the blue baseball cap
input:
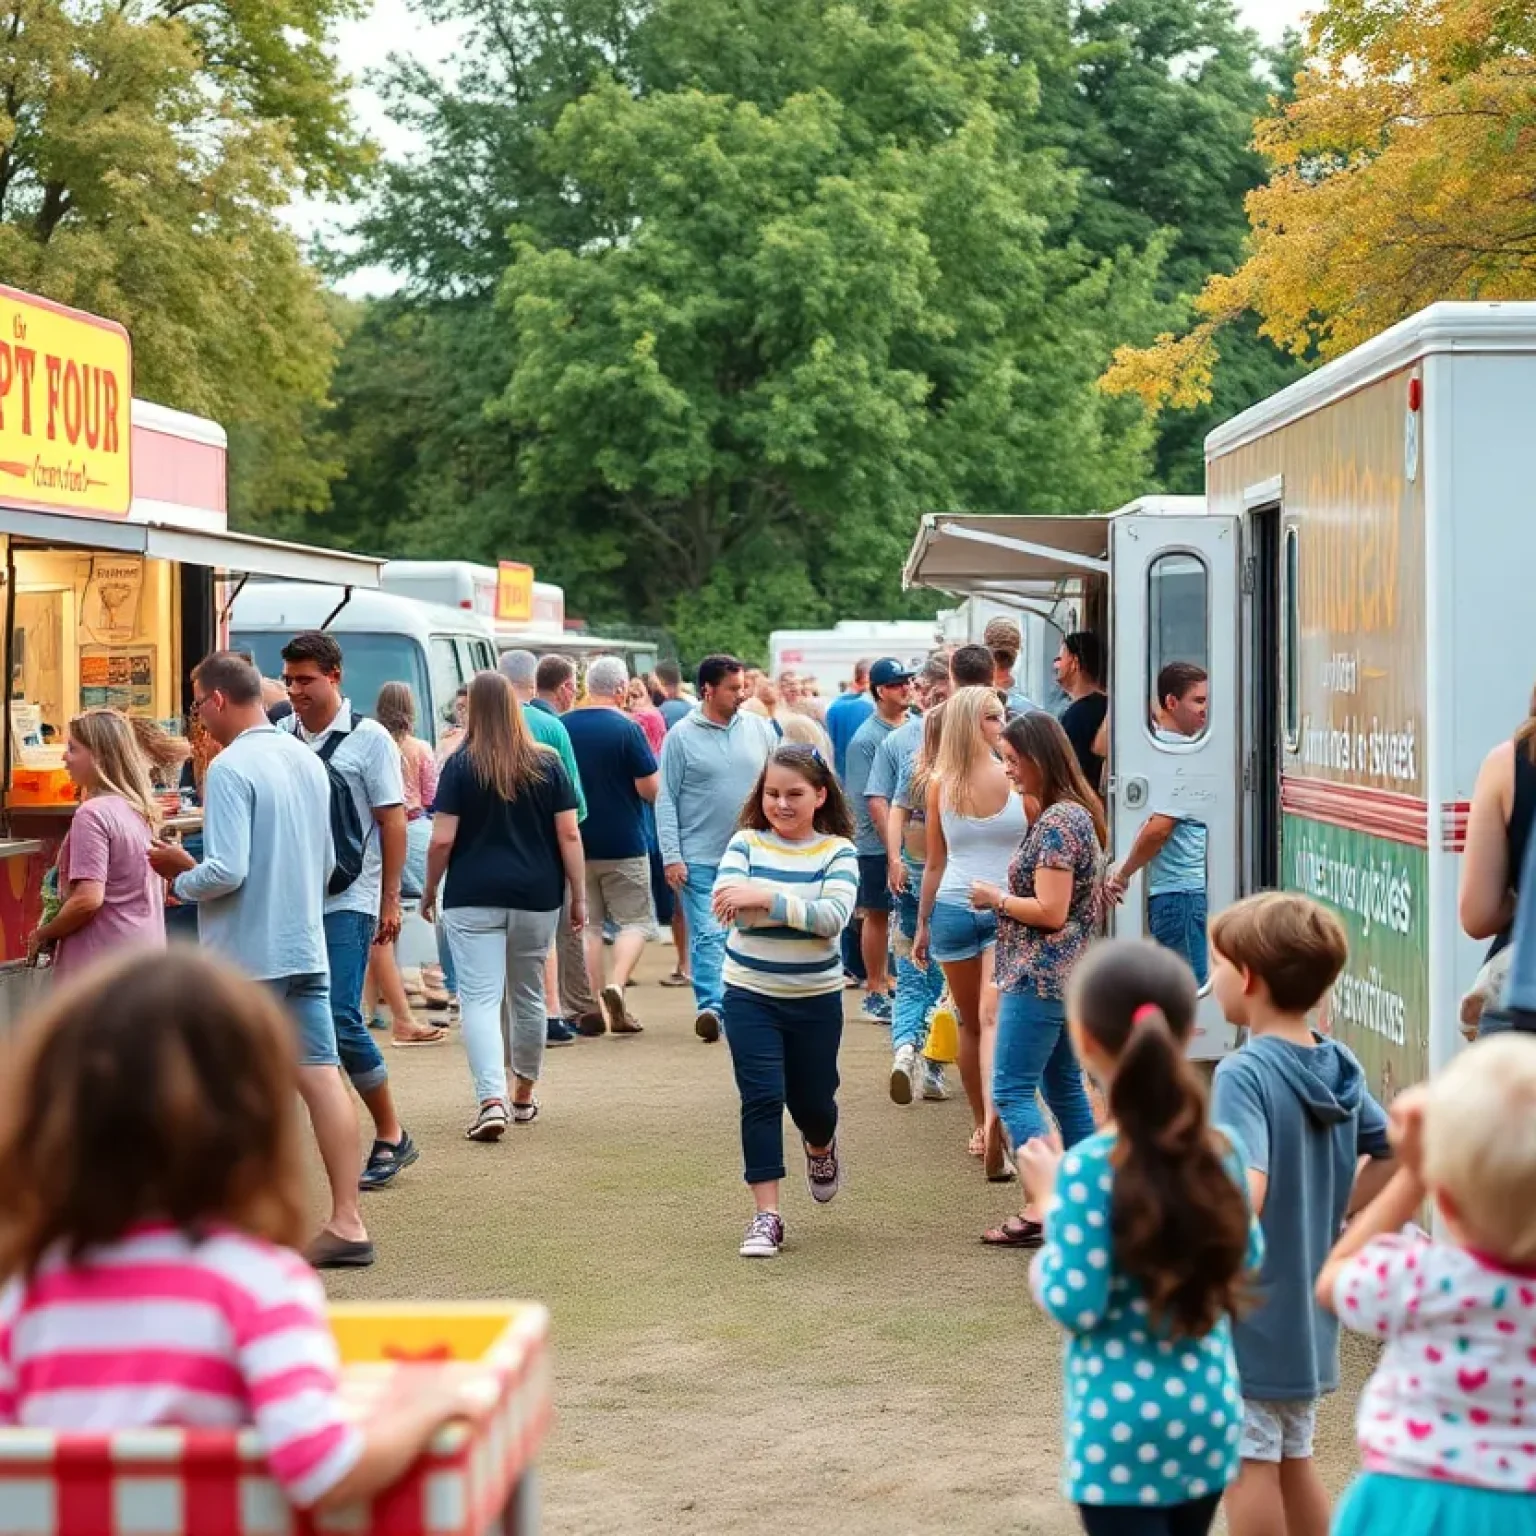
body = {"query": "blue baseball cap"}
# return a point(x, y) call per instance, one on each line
point(888, 672)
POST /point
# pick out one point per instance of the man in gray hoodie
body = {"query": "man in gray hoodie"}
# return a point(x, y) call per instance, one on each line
point(1298, 1105)
point(710, 763)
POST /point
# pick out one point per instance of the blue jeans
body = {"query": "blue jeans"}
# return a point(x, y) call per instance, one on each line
point(306, 1000)
point(1034, 1054)
point(348, 943)
point(706, 938)
point(1177, 920)
point(784, 1054)
point(917, 992)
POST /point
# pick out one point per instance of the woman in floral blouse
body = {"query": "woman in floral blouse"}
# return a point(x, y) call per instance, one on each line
point(1045, 920)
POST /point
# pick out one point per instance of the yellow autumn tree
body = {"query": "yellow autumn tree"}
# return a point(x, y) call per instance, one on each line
point(1403, 172)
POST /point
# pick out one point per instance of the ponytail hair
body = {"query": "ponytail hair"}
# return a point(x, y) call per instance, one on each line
point(1180, 1222)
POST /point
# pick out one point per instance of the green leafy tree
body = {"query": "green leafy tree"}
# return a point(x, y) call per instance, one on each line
point(146, 151)
point(777, 279)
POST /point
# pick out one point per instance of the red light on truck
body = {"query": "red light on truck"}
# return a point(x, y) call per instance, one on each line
point(1415, 394)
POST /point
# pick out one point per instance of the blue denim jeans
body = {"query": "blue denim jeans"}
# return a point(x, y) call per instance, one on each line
point(306, 1000)
point(917, 992)
point(706, 938)
point(1177, 920)
point(784, 1054)
point(348, 943)
point(1034, 1055)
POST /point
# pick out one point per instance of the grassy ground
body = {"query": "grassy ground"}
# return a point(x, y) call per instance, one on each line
point(884, 1374)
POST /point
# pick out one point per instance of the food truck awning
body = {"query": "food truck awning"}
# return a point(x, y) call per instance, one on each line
point(1026, 556)
point(238, 553)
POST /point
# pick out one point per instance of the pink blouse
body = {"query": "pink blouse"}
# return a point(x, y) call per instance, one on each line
point(418, 770)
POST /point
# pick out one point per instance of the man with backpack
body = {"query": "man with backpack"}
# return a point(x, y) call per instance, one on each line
point(362, 904)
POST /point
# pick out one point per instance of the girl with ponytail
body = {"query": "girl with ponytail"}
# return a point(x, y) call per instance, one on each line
point(1148, 1244)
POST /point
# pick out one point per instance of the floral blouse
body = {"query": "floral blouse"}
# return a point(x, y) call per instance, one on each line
point(1033, 959)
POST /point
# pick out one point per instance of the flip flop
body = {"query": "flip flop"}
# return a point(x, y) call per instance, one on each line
point(676, 979)
point(436, 1037)
point(1015, 1232)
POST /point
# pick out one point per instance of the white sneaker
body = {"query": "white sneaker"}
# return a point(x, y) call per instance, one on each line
point(903, 1070)
point(765, 1236)
point(934, 1086)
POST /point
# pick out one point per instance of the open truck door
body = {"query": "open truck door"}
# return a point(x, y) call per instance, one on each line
point(1175, 602)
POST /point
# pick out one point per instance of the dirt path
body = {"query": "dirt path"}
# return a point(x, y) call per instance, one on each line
point(885, 1374)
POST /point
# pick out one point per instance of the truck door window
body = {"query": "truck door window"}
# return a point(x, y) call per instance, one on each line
point(1178, 646)
point(445, 681)
point(1290, 642)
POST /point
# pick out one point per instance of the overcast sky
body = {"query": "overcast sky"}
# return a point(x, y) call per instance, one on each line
point(393, 28)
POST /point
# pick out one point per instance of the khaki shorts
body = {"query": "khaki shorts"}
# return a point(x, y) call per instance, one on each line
point(620, 889)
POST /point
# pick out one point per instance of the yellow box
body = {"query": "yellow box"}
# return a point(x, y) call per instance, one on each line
point(394, 1332)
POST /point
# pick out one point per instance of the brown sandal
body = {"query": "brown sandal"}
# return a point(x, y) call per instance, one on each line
point(434, 1036)
point(1015, 1232)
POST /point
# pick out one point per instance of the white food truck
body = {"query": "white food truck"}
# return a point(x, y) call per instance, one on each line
point(1358, 586)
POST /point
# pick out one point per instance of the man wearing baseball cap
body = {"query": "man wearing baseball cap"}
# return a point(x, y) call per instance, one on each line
point(1005, 640)
point(890, 686)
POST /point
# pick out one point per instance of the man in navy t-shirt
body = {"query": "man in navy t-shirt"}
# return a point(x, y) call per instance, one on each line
point(618, 774)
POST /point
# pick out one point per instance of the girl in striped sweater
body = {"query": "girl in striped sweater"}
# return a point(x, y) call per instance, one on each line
point(785, 891)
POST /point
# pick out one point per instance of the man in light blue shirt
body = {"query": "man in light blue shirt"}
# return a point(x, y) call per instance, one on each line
point(1171, 843)
point(710, 762)
point(260, 894)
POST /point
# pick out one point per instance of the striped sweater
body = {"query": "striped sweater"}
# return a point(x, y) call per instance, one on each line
point(156, 1329)
point(791, 950)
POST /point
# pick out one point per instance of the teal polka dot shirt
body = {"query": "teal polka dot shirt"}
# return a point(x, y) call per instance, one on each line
point(1150, 1420)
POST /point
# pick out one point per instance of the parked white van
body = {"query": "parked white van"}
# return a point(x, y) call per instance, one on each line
point(384, 638)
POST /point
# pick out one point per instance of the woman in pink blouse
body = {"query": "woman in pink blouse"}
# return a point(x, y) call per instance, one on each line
point(396, 712)
point(112, 899)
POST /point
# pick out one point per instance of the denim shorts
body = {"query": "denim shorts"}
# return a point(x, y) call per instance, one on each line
point(958, 932)
point(874, 883)
point(308, 1002)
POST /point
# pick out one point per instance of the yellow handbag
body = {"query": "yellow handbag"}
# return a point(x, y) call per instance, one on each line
point(943, 1043)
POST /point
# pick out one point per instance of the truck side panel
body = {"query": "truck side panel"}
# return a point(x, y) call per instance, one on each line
point(1355, 822)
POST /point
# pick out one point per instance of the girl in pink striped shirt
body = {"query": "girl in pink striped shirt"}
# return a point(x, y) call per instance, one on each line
point(147, 1227)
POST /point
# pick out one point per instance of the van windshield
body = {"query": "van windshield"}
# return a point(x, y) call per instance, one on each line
point(370, 661)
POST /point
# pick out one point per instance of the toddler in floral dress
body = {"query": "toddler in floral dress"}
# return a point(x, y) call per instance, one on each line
point(1447, 1425)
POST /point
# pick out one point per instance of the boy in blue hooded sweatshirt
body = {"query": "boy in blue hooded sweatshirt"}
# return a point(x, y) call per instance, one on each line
point(1299, 1105)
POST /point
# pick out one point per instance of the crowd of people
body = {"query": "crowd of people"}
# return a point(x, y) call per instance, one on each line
point(1187, 1239)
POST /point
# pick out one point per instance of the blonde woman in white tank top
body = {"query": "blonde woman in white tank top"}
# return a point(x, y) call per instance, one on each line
point(975, 824)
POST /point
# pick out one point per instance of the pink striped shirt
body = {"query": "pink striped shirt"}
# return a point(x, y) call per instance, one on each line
point(159, 1330)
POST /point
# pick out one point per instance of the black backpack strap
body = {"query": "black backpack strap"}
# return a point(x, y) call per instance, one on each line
point(333, 738)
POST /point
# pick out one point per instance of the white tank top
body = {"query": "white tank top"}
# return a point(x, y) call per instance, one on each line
point(979, 847)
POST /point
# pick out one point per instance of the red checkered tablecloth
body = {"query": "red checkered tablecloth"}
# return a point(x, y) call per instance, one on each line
point(182, 1482)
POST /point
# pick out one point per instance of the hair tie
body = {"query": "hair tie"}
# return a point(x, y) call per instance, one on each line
point(1148, 1013)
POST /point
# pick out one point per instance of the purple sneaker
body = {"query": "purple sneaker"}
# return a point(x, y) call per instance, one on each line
point(765, 1236)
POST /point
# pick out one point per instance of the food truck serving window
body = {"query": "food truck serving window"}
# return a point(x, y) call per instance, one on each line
point(89, 629)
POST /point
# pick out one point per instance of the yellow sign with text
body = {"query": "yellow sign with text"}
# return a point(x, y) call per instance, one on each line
point(66, 384)
point(514, 593)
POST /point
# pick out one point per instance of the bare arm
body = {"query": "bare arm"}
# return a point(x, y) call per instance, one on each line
point(1155, 831)
point(391, 824)
point(1391, 1211)
point(1371, 1178)
point(938, 858)
point(649, 787)
point(1484, 903)
point(1047, 909)
point(879, 812)
point(84, 901)
point(391, 1443)
point(895, 838)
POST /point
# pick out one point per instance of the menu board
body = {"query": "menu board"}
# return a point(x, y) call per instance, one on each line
point(121, 678)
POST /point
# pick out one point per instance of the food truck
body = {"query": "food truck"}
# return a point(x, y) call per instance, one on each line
point(1357, 584)
point(119, 568)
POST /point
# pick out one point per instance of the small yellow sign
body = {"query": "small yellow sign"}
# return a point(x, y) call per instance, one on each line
point(66, 384)
point(514, 593)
